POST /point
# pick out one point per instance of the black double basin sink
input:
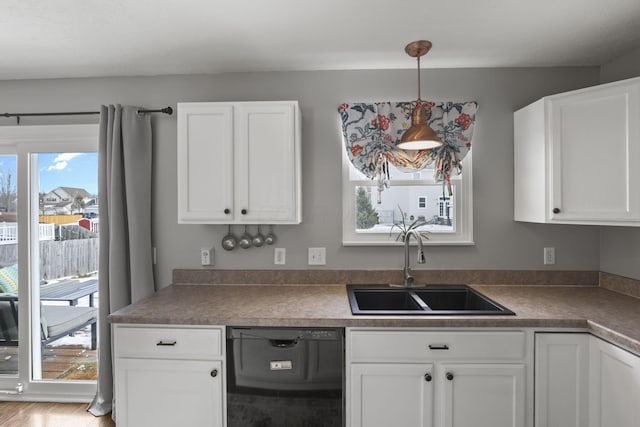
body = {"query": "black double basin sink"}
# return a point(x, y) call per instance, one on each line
point(452, 300)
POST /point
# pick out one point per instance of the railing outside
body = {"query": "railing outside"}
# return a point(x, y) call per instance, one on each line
point(8, 233)
point(47, 231)
point(9, 230)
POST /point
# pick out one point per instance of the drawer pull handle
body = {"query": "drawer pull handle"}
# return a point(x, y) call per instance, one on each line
point(438, 347)
point(214, 373)
point(449, 376)
point(166, 343)
point(427, 377)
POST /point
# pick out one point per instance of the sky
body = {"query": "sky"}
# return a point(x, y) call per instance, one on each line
point(78, 170)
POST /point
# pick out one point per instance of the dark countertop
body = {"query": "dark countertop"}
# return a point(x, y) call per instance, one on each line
point(610, 315)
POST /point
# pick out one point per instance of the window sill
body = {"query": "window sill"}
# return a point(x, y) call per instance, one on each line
point(424, 243)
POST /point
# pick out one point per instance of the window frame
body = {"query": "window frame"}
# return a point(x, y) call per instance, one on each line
point(463, 206)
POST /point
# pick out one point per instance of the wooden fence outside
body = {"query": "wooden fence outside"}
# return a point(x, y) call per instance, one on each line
point(60, 258)
point(59, 219)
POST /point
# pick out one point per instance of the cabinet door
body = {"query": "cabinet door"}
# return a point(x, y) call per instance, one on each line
point(205, 163)
point(481, 395)
point(169, 393)
point(614, 388)
point(561, 378)
point(595, 146)
point(267, 166)
point(383, 395)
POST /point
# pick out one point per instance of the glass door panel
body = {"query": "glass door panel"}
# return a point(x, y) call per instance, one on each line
point(66, 257)
point(9, 343)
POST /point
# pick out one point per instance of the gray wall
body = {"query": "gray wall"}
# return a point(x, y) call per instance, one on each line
point(623, 67)
point(501, 243)
point(620, 246)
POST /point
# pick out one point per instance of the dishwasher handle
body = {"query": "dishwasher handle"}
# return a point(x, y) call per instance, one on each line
point(283, 343)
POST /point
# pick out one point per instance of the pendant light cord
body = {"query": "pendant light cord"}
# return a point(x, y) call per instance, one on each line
point(419, 99)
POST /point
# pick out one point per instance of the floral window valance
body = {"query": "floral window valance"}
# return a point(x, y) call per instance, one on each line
point(371, 132)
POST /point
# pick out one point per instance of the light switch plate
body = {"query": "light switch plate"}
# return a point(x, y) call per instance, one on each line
point(549, 256)
point(279, 256)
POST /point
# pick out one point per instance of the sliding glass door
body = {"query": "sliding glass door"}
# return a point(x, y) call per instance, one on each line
point(55, 261)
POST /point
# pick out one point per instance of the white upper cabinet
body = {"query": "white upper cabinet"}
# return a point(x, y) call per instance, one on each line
point(576, 157)
point(239, 163)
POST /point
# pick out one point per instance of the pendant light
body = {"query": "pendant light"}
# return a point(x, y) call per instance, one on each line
point(419, 136)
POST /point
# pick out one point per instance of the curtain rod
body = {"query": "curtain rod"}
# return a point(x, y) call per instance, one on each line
point(166, 110)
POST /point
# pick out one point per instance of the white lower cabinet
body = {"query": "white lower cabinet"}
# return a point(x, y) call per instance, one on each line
point(614, 386)
point(169, 393)
point(405, 377)
point(168, 376)
point(562, 376)
point(423, 378)
point(582, 380)
point(482, 395)
point(389, 394)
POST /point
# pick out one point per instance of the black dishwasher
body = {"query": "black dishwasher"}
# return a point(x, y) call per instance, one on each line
point(285, 377)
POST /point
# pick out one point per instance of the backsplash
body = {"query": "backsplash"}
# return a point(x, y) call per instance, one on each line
point(479, 277)
point(620, 284)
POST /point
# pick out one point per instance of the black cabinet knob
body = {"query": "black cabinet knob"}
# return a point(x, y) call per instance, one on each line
point(214, 373)
point(427, 377)
point(243, 211)
point(449, 376)
point(227, 211)
point(556, 210)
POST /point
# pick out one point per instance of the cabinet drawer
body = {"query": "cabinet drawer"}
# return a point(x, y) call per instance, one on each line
point(168, 342)
point(415, 346)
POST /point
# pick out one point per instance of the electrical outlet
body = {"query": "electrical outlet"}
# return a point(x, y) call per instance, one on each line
point(317, 256)
point(279, 256)
point(549, 256)
point(206, 256)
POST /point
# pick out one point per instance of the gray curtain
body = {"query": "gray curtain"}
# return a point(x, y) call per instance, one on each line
point(125, 271)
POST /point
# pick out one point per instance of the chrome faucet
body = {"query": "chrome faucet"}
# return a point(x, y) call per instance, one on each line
point(408, 278)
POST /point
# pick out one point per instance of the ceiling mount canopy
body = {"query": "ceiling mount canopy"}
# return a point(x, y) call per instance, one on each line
point(419, 136)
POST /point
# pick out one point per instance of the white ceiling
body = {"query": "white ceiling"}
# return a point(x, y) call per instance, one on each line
point(81, 38)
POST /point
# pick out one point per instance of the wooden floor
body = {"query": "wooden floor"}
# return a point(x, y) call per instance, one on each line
point(31, 414)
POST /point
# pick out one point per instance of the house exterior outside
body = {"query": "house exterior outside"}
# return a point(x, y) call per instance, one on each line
point(426, 202)
point(62, 201)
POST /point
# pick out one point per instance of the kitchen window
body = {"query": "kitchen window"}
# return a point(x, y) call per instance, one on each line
point(369, 223)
